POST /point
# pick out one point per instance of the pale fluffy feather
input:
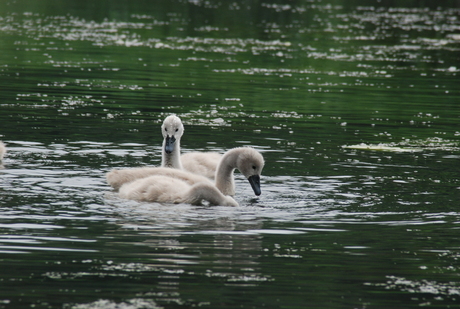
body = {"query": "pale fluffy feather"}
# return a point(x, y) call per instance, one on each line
point(164, 189)
point(116, 178)
point(201, 163)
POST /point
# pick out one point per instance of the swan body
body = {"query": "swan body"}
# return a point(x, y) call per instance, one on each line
point(116, 178)
point(172, 130)
point(201, 163)
point(164, 189)
point(2, 150)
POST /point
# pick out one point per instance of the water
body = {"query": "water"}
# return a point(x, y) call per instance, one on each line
point(354, 106)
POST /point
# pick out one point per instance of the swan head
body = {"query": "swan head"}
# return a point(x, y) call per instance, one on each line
point(172, 130)
point(250, 163)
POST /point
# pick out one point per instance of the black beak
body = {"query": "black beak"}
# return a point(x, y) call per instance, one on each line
point(169, 145)
point(254, 180)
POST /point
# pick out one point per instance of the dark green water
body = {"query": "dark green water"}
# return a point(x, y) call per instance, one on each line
point(354, 105)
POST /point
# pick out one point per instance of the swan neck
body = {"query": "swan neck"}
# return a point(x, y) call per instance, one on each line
point(224, 173)
point(171, 160)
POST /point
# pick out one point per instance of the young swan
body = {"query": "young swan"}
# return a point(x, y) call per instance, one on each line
point(248, 161)
point(116, 178)
point(201, 163)
point(164, 189)
point(172, 130)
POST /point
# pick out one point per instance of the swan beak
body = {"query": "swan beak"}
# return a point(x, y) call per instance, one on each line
point(169, 145)
point(254, 180)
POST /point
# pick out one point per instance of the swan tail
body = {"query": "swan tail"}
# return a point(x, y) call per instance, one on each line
point(115, 179)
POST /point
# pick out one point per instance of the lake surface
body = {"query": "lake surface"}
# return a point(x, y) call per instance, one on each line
point(354, 105)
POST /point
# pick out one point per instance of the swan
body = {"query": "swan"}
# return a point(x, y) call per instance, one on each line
point(116, 178)
point(164, 189)
point(246, 159)
point(172, 130)
point(201, 163)
point(2, 150)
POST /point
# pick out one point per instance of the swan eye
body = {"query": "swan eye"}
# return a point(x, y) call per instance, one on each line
point(166, 129)
point(177, 130)
point(254, 167)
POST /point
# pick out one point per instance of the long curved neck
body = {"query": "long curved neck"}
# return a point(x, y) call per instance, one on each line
point(224, 173)
point(172, 159)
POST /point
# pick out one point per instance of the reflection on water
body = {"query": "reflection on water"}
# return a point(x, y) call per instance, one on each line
point(354, 108)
